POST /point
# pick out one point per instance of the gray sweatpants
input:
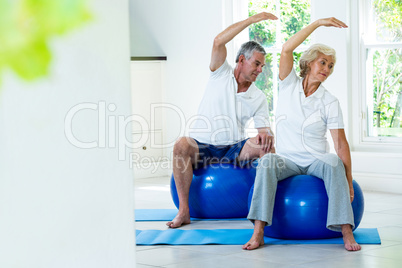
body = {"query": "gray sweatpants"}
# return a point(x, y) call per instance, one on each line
point(273, 168)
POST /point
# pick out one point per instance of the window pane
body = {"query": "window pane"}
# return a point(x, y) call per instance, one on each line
point(295, 14)
point(265, 31)
point(265, 81)
point(296, 59)
point(387, 18)
point(384, 85)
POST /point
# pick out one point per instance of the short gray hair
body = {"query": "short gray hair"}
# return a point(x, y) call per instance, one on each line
point(248, 49)
point(311, 54)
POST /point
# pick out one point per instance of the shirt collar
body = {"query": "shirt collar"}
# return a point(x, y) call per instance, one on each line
point(247, 94)
point(319, 93)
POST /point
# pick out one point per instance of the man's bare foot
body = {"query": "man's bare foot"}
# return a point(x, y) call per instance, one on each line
point(349, 239)
point(179, 220)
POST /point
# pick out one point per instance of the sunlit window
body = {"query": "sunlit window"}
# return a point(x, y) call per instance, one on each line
point(382, 71)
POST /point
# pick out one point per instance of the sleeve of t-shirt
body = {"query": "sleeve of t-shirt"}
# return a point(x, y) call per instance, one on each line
point(291, 79)
point(334, 115)
point(261, 117)
point(223, 70)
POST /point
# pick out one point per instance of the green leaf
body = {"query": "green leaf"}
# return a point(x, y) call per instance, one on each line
point(27, 26)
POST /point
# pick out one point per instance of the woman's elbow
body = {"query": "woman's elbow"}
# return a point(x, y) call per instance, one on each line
point(286, 48)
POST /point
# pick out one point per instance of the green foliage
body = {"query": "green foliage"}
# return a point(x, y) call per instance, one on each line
point(295, 15)
point(265, 81)
point(265, 31)
point(26, 27)
point(387, 64)
point(388, 18)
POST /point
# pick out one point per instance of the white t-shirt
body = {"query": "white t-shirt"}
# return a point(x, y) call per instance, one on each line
point(223, 113)
point(302, 122)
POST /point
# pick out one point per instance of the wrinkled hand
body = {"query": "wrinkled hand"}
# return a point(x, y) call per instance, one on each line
point(352, 193)
point(332, 22)
point(263, 16)
point(266, 141)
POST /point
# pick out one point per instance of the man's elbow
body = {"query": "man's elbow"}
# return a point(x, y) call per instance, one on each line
point(218, 42)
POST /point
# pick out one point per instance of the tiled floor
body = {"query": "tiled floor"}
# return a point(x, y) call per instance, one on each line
point(382, 211)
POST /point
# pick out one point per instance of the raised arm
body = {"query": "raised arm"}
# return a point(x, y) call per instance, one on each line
point(286, 60)
point(219, 52)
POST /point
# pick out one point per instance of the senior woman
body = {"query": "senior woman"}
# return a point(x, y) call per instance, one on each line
point(305, 111)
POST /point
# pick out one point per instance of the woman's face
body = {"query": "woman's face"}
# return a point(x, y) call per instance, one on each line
point(321, 67)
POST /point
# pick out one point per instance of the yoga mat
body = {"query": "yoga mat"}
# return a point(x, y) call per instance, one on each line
point(167, 215)
point(237, 237)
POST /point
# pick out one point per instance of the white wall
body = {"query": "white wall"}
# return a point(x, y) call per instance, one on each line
point(63, 206)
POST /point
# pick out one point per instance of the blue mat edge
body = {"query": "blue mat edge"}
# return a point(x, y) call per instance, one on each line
point(236, 237)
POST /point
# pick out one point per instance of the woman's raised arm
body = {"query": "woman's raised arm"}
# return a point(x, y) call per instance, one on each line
point(286, 60)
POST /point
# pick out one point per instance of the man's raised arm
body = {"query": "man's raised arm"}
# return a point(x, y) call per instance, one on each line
point(219, 52)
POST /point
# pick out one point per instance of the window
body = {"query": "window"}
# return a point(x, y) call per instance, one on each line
point(381, 47)
point(293, 15)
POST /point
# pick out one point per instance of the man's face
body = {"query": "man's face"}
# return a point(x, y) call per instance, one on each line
point(252, 67)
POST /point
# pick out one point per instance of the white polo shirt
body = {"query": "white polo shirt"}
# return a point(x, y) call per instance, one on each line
point(223, 113)
point(302, 122)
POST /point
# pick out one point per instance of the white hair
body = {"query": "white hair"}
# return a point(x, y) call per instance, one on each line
point(247, 49)
point(311, 54)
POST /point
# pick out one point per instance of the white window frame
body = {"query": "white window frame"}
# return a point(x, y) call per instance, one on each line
point(359, 45)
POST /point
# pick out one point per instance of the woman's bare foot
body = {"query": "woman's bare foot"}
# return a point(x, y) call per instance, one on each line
point(254, 243)
point(349, 239)
point(179, 220)
point(257, 239)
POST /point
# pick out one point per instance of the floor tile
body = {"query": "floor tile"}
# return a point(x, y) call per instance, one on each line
point(392, 233)
point(290, 254)
point(139, 265)
point(377, 220)
point(353, 261)
point(225, 262)
point(391, 252)
point(163, 256)
point(396, 211)
point(215, 249)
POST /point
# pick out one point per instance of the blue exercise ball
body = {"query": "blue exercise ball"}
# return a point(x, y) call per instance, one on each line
point(218, 191)
point(301, 206)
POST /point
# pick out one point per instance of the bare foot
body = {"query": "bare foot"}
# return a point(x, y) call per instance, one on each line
point(179, 220)
point(349, 239)
point(257, 239)
point(254, 243)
